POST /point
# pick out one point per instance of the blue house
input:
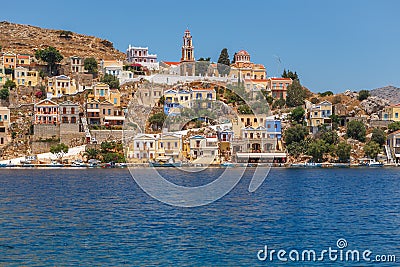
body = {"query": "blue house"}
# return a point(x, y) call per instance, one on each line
point(273, 128)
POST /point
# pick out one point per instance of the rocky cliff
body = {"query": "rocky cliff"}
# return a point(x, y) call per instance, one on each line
point(26, 39)
point(390, 93)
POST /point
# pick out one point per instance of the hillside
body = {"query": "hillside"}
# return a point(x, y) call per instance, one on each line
point(390, 93)
point(26, 39)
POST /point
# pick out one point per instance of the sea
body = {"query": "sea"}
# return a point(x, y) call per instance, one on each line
point(102, 217)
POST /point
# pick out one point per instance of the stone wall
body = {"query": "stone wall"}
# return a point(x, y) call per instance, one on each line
point(42, 147)
point(45, 131)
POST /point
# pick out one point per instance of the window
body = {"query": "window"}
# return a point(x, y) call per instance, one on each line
point(5, 117)
point(396, 115)
point(151, 144)
point(72, 110)
point(104, 111)
point(64, 110)
point(109, 111)
point(73, 119)
point(115, 101)
point(0, 118)
point(2, 140)
point(176, 144)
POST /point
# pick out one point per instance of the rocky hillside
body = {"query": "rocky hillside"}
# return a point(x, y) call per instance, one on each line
point(390, 93)
point(26, 39)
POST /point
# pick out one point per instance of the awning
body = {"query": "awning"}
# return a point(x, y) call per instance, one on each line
point(261, 155)
point(114, 118)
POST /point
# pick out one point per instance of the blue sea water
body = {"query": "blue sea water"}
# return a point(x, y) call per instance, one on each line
point(103, 218)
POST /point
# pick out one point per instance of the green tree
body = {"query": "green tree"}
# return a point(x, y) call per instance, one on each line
point(223, 62)
point(297, 115)
point(59, 150)
point(372, 149)
point(157, 120)
point(245, 109)
point(295, 134)
point(335, 121)
point(363, 94)
point(290, 74)
point(343, 152)
point(90, 65)
point(91, 153)
point(378, 136)
point(111, 80)
point(9, 84)
point(4, 94)
point(317, 149)
point(394, 126)
point(279, 103)
point(295, 94)
point(327, 93)
point(330, 137)
point(296, 149)
point(50, 55)
point(356, 130)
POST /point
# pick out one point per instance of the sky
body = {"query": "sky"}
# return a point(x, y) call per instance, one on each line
point(332, 45)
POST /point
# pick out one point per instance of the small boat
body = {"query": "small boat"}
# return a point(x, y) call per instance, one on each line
point(341, 165)
point(2, 165)
point(78, 163)
point(227, 164)
point(93, 163)
point(375, 164)
point(162, 163)
point(121, 165)
point(54, 164)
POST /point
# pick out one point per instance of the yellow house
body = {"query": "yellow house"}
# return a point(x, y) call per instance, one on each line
point(115, 97)
point(247, 120)
point(252, 85)
point(9, 60)
point(23, 60)
point(101, 91)
point(170, 145)
point(25, 77)
point(181, 97)
point(61, 85)
point(391, 113)
point(318, 115)
point(243, 68)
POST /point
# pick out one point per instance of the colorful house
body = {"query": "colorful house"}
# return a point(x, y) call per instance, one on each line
point(23, 60)
point(390, 113)
point(112, 67)
point(4, 124)
point(25, 77)
point(318, 115)
point(46, 112)
point(278, 87)
point(69, 112)
point(9, 60)
point(203, 147)
point(393, 146)
point(145, 146)
point(170, 145)
point(58, 86)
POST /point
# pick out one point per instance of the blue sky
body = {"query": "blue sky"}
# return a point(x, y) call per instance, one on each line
point(333, 45)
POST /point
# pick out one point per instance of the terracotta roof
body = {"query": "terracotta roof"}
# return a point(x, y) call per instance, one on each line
point(243, 52)
point(279, 78)
point(171, 63)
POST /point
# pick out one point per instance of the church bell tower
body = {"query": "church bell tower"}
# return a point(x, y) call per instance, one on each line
point(187, 66)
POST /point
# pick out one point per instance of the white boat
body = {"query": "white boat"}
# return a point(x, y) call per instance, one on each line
point(78, 163)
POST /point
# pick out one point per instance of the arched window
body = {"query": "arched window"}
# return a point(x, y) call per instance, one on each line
point(64, 110)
